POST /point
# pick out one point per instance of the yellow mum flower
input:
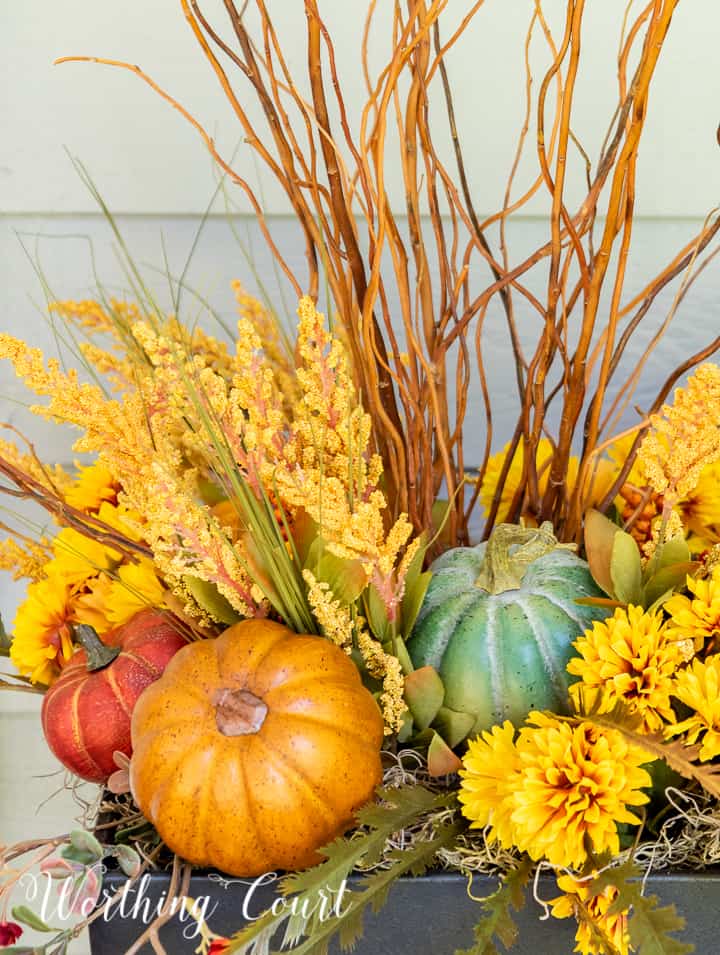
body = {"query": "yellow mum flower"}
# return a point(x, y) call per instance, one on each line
point(491, 765)
point(42, 631)
point(577, 901)
point(560, 789)
point(77, 557)
point(514, 476)
point(136, 589)
point(696, 618)
point(93, 485)
point(698, 686)
point(629, 657)
point(575, 784)
point(598, 483)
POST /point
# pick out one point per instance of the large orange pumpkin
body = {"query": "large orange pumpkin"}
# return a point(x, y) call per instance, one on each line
point(255, 749)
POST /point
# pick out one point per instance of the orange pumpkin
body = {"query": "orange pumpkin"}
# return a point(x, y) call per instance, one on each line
point(255, 749)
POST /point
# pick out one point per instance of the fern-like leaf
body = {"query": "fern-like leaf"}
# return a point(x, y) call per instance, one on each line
point(649, 925)
point(313, 895)
point(679, 756)
point(650, 928)
point(496, 919)
point(373, 892)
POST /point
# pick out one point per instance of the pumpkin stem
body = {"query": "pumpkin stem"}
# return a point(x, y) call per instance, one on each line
point(510, 550)
point(98, 654)
point(238, 712)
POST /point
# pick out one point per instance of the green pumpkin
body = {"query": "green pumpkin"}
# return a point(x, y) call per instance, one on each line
point(498, 622)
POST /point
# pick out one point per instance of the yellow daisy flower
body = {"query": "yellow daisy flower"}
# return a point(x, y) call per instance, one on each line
point(701, 507)
point(696, 618)
point(122, 519)
point(487, 781)
point(136, 588)
point(91, 606)
point(93, 485)
point(42, 632)
point(631, 658)
point(77, 557)
point(577, 898)
point(698, 686)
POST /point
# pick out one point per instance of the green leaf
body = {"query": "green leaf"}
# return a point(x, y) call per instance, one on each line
point(650, 927)
point(209, 599)
point(674, 551)
point(424, 695)
point(376, 613)
point(667, 580)
point(599, 535)
point(5, 640)
point(83, 848)
point(412, 602)
point(128, 860)
point(416, 585)
point(441, 759)
point(21, 913)
point(415, 861)
point(496, 919)
point(453, 726)
point(626, 569)
point(377, 821)
point(345, 578)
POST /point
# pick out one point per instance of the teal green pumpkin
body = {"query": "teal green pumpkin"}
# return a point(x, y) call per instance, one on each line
point(498, 622)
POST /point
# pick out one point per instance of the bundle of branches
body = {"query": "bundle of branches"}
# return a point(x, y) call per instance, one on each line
point(414, 368)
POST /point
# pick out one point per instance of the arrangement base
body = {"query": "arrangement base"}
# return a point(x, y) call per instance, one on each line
point(432, 915)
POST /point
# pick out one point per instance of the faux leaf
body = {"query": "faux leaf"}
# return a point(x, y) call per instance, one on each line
point(376, 613)
point(25, 915)
point(345, 578)
point(496, 919)
point(650, 926)
point(599, 537)
point(441, 759)
point(412, 601)
point(128, 860)
point(626, 569)
point(681, 758)
point(424, 695)
point(666, 580)
point(453, 726)
point(209, 599)
point(5, 640)
point(83, 848)
point(377, 821)
point(374, 892)
point(674, 551)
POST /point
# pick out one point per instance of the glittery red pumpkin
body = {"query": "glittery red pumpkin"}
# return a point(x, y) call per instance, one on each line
point(86, 713)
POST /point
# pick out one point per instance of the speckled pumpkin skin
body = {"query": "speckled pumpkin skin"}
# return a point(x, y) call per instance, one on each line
point(268, 800)
point(86, 716)
point(502, 655)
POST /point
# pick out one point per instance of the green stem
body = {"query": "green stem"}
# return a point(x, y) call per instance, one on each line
point(98, 655)
point(509, 552)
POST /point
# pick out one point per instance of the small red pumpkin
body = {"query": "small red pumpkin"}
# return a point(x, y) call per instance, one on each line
point(86, 713)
